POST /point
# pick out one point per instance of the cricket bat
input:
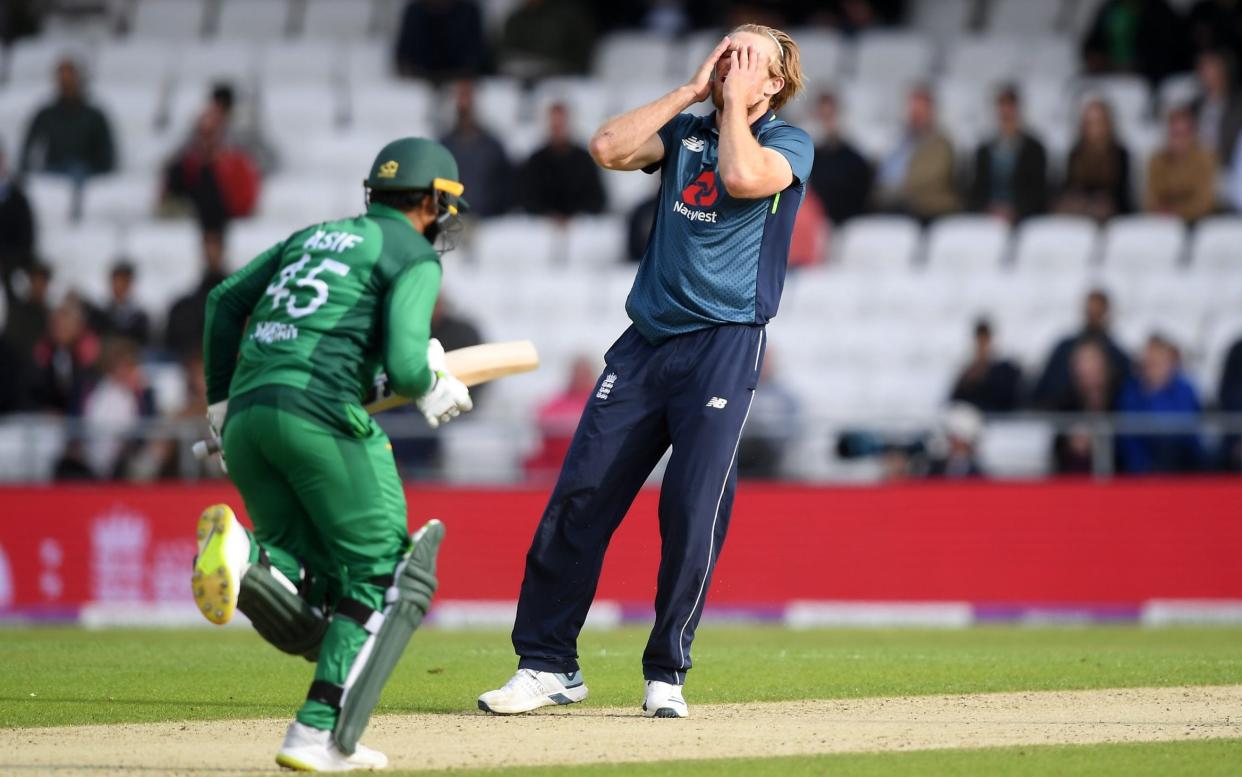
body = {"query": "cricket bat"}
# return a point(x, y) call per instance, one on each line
point(472, 365)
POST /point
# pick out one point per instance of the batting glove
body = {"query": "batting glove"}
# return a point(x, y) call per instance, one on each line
point(215, 422)
point(448, 397)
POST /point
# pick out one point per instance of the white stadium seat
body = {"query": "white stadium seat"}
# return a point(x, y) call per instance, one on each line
point(691, 50)
point(308, 198)
point(367, 63)
point(1023, 17)
point(1055, 243)
point(984, 58)
point(879, 244)
point(942, 19)
point(594, 241)
point(892, 56)
point(627, 56)
point(396, 108)
point(967, 244)
point(138, 61)
point(301, 62)
point(34, 60)
point(1051, 56)
point(1128, 96)
point(965, 109)
point(198, 65)
point(52, 198)
point(120, 198)
point(80, 252)
point(824, 55)
point(1144, 243)
point(293, 112)
point(1216, 248)
point(517, 244)
point(260, 20)
point(1015, 449)
point(17, 108)
point(625, 189)
point(180, 19)
point(334, 20)
point(248, 238)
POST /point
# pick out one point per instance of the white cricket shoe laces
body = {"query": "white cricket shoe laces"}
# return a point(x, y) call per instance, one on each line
point(307, 749)
point(529, 690)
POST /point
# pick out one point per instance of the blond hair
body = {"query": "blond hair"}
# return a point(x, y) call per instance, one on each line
point(788, 64)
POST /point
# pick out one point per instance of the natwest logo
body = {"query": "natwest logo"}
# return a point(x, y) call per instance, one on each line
point(703, 191)
point(695, 215)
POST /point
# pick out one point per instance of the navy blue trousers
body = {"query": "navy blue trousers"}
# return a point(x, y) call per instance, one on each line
point(691, 392)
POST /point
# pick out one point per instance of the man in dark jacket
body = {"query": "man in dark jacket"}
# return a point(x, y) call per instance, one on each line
point(560, 179)
point(69, 136)
point(841, 176)
point(1011, 169)
point(1056, 381)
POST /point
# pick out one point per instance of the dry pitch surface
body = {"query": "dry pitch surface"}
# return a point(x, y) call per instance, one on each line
point(582, 734)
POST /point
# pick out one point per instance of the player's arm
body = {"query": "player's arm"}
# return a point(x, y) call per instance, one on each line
point(632, 141)
point(407, 329)
point(747, 169)
point(228, 307)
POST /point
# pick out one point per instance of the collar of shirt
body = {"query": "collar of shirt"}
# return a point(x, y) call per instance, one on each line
point(379, 210)
point(713, 126)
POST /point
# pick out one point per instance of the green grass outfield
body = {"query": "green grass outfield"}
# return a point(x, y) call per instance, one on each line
point(57, 677)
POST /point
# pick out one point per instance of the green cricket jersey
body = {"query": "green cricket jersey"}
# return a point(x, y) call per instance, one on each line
point(322, 311)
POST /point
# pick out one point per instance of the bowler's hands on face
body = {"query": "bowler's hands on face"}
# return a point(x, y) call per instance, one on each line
point(743, 80)
point(702, 81)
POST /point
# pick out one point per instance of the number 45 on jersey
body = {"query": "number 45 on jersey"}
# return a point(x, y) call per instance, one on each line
point(280, 292)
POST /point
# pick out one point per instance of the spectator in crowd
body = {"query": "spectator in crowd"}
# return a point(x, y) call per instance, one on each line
point(1230, 401)
point(1146, 37)
point(13, 389)
point(1181, 177)
point(452, 329)
point(27, 316)
point(121, 316)
point(841, 175)
point(774, 422)
point(1233, 184)
point(481, 159)
point(561, 179)
point(988, 382)
point(17, 224)
point(557, 420)
point(70, 135)
point(113, 409)
point(1217, 108)
point(1159, 387)
point(808, 243)
point(19, 18)
point(241, 127)
point(441, 40)
point(1092, 389)
point(64, 360)
point(917, 177)
point(1057, 380)
point(1097, 174)
point(219, 182)
point(183, 335)
point(638, 227)
point(547, 38)
point(954, 451)
point(1216, 25)
point(1011, 170)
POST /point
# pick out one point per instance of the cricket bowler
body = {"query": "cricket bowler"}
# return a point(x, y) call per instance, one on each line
point(683, 375)
point(293, 342)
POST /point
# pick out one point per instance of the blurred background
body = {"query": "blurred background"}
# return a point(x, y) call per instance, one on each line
point(1020, 255)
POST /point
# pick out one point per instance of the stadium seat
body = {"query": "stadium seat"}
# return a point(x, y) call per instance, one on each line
point(205, 63)
point(624, 190)
point(1176, 89)
point(344, 157)
point(132, 111)
point(631, 94)
point(518, 244)
point(1128, 96)
point(892, 56)
point(30, 445)
point(627, 56)
point(248, 238)
point(942, 19)
point(82, 251)
point(1055, 244)
point(395, 108)
point(259, 20)
point(1023, 17)
point(301, 62)
point(964, 108)
point(334, 20)
point(368, 63)
point(878, 244)
point(1015, 449)
point(293, 111)
point(18, 104)
point(140, 62)
point(307, 198)
point(1216, 247)
point(984, 58)
point(592, 241)
point(120, 198)
point(34, 60)
point(52, 197)
point(824, 54)
point(1144, 243)
point(167, 256)
point(693, 48)
point(1046, 106)
point(167, 19)
point(966, 244)
point(1054, 57)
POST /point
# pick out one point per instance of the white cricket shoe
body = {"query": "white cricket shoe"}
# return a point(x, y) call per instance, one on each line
point(223, 555)
point(308, 749)
point(529, 690)
point(664, 700)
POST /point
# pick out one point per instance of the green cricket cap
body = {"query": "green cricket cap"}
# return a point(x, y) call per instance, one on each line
point(417, 163)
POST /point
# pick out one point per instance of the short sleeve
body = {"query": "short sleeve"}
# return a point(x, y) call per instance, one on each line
point(793, 144)
point(670, 134)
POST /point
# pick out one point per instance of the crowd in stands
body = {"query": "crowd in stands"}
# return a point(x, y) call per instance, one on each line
point(78, 359)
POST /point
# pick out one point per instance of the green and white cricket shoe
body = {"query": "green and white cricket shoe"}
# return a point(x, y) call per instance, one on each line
point(529, 690)
point(307, 749)
point(223, 555)
point(664, 700)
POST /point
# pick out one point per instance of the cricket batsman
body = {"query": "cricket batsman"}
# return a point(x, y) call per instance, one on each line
point(683, 375)
point(293, 342)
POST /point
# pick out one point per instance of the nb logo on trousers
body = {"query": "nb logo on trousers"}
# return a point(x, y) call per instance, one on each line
point(717, 403)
